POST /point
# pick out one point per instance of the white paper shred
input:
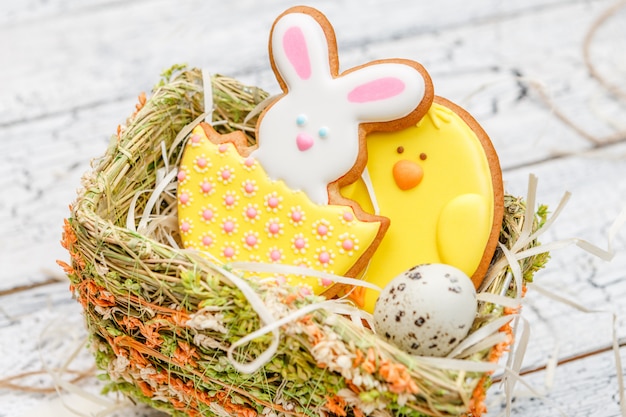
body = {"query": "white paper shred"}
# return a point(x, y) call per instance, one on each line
point(208, 95)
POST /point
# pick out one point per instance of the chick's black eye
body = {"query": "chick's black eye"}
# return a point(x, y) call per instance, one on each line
point(423, 156)
point(400, 149)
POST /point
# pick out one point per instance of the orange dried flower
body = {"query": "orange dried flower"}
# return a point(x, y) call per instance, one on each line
point(66, 267)
point(146, 389)
point(311, 329)
point(184, 354)
point(508, 310)
point(130, 322)
point(137, 358)
point(193, 413)
point(78, 260)
point(477, 402)
point(352, 386)
point(95, 294)
point(179, 405)
point(177, 384)
point(336, 405)
point(369, 365)
point(68, 237)
point(179, 318)
point(358, 358)
point(160, 378)
point(104, 299)
point(142, 101)
point(238, 410)
point(398, 378)
point(152, 335)
point(291, 298)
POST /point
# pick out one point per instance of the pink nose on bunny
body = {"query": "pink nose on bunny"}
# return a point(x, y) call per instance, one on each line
point(304, 141)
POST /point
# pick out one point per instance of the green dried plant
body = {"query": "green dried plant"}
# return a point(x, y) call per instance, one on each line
point(161, 318)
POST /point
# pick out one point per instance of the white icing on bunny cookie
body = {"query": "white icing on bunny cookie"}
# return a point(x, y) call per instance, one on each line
point(311, 136)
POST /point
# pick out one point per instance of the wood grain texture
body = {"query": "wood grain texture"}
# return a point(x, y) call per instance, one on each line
point(71, 71)
point(585, 388)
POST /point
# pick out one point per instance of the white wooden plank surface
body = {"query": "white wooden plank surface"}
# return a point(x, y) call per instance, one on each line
point(72, 69)
point(597, 181)
point(75, 104)
point(587, 387)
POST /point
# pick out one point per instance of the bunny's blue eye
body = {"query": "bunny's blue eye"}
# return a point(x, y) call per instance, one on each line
point(323, 132)
point(301, 120)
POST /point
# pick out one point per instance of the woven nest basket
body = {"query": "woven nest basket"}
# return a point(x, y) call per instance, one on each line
point(161, 319)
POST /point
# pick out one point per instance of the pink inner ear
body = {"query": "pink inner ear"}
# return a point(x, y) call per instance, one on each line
point(380, 89)
point(295, 48)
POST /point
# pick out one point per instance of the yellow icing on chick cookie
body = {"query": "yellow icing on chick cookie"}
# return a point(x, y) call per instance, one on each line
point(434, 182)
point(228, 207)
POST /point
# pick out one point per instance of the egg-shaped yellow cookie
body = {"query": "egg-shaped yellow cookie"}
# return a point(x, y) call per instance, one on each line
point(440, 184)
point(230, 209)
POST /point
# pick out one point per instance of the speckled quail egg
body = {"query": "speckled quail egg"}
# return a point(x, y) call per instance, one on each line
point(427, 310)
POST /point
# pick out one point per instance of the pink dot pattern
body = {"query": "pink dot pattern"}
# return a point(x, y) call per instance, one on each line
point(229, 208)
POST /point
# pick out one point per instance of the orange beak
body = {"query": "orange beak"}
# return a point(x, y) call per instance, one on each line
point(407, 174)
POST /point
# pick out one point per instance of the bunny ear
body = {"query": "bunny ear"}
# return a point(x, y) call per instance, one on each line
point(387, 90)
point(301, 44)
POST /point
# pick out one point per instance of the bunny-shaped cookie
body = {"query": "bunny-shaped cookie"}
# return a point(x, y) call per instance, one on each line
point(279, 200)
point(314, 134)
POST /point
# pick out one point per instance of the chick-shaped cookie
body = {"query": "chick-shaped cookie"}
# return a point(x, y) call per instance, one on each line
point(440, 184)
